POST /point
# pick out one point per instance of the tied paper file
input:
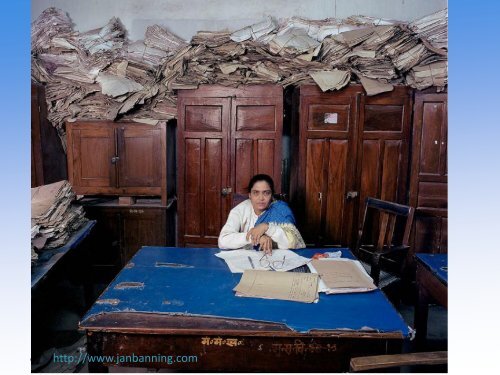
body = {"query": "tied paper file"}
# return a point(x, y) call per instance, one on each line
point(342, 276)
point(299, 287)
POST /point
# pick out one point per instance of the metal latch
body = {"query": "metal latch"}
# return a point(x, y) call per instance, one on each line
point(226, 191)
point(351, 194)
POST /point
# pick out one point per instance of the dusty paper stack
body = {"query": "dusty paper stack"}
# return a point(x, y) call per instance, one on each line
point(433, 28)
point(423, 76)
point(340, 275)
point(99, 74)
point(53, 217)
point(257, 31)
point(289, 286)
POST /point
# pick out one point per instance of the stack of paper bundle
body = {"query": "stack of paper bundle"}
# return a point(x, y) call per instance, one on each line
point(101, 75)
point(53, 217)
point(433, 28)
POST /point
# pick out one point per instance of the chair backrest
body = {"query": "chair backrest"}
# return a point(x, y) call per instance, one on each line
point(389, 211)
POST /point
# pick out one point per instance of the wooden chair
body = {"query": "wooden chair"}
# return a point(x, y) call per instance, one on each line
point(375, 362)
point(385, 255)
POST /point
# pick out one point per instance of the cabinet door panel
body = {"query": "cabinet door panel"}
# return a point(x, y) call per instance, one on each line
point(328, 117)
point(193, 190)
point(336, 217)
point(391, 165)
point(311, 223)
point(324, 156)
point(370, 172)
point(432, 195)
point(256, 132)
point(139, 150)
point(431, 138)
point(89, 155)
point(213, 220)
point(255, 117)
point(427, 234)
point(203, 118)
point(106, 250)
point(202, 147)
point(428, 188)
point(386, 118)
point(142, 227)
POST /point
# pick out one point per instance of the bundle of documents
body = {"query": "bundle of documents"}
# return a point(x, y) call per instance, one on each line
point(423, 76)
point(110, 37)
point(293, 41)
point(51, 23)
point(331, 80)
point(145, 56)
point(53, 217)
point(162, 39)
point(255, 31)
point(99, 74)
point(433, 28)
point(281, 260)
point(289, 286)
point(340, 275)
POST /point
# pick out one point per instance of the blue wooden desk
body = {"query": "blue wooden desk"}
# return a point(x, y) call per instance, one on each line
point(432, 283)
point(179, 301)
point(50, 258)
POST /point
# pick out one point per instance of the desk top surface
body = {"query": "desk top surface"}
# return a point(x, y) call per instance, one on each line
point(194, 282)
point(49, 258)
point(436, 263)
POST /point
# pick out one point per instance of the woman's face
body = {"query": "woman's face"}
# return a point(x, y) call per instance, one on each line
point(260, 195)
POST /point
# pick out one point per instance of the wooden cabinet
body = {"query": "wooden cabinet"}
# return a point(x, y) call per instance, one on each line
point(48, 160)
point(114, 158)
point(429, 172)
point(122, 230)
point(224, 137)
point(346, 146)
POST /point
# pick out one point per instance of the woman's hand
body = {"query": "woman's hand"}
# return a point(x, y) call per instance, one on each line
point(254, 235)
point(266, 244)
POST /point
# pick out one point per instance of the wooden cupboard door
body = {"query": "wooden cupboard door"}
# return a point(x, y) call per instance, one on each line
point(327, 210)
point(337, 207)
point(431, 234)
point(384, 151)
point(256, 136)
point(203, 163)
point(139, 150)
point(431, 114)
point(326, 155)
point(107, 234)
point(311, 223)
point(141, 227)
point(90, 151)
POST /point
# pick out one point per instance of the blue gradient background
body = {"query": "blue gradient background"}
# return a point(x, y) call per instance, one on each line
point(474, 141)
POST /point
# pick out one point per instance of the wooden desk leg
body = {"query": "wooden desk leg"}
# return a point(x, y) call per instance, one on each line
point(421, 315)
point(94, 348)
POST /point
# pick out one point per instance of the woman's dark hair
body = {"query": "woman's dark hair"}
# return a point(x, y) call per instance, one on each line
point(261, 177)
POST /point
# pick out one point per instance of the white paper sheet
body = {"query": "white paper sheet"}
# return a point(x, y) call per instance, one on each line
point(240, 260)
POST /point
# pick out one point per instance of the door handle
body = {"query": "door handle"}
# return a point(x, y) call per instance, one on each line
point(226, 191)
point(114, 159)
point(351, 195)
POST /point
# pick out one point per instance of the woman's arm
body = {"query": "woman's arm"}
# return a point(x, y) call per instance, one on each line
point(278, 235)
point(231, 236)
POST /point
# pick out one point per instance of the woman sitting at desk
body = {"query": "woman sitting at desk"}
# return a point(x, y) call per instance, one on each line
point(261, 221)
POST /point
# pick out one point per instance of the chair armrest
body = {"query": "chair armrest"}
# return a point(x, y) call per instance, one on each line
point(396, 360)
